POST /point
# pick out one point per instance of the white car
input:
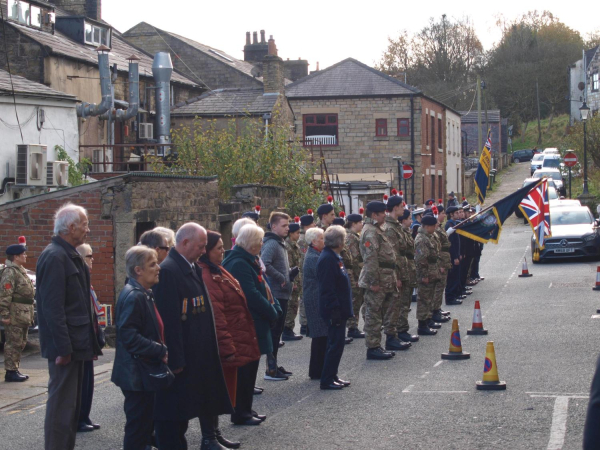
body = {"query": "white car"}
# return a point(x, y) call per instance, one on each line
point(536, 162)
point(554, 174)
point(551, 151)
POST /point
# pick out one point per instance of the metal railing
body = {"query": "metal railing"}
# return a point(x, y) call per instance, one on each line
point(321, 140)
point(124, 157)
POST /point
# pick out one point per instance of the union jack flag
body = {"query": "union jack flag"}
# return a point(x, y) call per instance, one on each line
point(536, 209)
point(488, 143)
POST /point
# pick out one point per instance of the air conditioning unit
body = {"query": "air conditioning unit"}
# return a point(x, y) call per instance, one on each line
point(57, 173)
point(31, 165)
point(146, 131)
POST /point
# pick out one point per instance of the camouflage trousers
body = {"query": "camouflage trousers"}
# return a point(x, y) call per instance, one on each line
point(358, 299)
point(438, 297)
point(16, 340)
point(381, 308)
point(425, 299)
point(302, 312)
point(405, 300)
point(292, 311)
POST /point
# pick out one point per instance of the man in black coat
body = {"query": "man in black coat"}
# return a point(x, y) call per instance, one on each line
point(67, 336)
point(591, 431)
point(199, 388)
point(453, 292)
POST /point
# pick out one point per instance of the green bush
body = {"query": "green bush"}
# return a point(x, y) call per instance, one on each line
point(76, 170)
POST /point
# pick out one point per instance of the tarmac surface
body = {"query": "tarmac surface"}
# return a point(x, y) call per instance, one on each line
point(545, 330)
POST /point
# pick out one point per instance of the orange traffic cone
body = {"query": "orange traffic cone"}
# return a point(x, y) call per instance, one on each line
point(477, 322)
point(597, 287)
point(455, 351)
point(525, 272)
point(490, 380)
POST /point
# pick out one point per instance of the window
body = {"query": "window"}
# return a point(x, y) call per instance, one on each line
point(440, 133)
point(25, 13)
point(432, 145)
point(440, 193)
point(432, 186)
point(595, 82)
point(36, 17)
point(380, 127)
point(403, 127)
point(320, 129)
point(96, 35)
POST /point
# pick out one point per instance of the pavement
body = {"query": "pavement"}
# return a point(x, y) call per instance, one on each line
point(545, 331)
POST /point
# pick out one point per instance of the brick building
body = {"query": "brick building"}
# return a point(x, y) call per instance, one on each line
point(497, 124)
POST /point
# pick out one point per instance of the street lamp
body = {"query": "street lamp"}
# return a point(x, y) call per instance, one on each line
point(584, 110)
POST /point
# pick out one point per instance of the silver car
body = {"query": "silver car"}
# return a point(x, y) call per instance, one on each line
point(554, 174)
point(536, 162)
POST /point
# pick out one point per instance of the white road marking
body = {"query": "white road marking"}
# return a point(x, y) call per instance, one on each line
point(438, 363)
point(550, 286)
point(596, 316)
point(425, 375)
point(407, 390)
point(304, 398)
point(559, 396)
point(438, 392)
point(565, 394)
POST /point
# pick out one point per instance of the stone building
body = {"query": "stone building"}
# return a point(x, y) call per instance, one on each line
point(360, 118)
point(497, 124)
point(121, 208)
point(584, 84)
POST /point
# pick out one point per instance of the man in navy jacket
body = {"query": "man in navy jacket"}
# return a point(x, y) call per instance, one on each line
point(453, 292)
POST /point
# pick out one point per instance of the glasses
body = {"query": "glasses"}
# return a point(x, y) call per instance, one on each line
point(166, 249)
point(89, 256)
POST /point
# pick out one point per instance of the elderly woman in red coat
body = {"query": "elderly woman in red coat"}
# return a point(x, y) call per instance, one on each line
point(236, 334)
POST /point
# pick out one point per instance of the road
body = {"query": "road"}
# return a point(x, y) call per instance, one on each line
point(546, 335)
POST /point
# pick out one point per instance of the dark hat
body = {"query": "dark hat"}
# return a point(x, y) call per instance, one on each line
point(375, 206)
point(466, 207)
point(324, 209)
point(307, 220)
point(473, 209)
point(440, 209)
point(406, 215)
point(451, 194)
point(429, 212)
point(430, 202)
point(428, 219)
point(16, 249)
point(354, 218)
point(394, 200)
point(251, 215)
point(451, 209)
point(294, 227)
point(418, 211)
point(338, 221)
point(465, 203)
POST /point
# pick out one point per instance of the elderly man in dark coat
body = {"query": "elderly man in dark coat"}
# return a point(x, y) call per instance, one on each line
point(199, 389)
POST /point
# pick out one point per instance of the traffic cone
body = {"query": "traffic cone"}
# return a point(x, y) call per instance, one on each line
point(597, 287)
point(477, 322)
point(525, 272)
point(490, 381)
point(455, 351)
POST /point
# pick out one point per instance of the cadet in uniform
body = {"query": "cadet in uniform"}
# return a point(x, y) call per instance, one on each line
point(445, 264)
point(428, 274)
point(410, 284)
point(306, 221)
point(354, 263)
point(294, 258)
point(326, 215)
point(453, 293)
point(378, 278)
point(16, 308)
point(417, 214)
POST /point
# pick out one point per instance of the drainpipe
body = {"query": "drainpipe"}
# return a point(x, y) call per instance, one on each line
point(92, 109)
point(134, 94)
point(162, 68)
point(412, 148)
point(350, 197)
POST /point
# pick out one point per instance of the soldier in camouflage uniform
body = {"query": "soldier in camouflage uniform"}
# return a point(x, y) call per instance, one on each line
point(410, 284)
point(306, 221)
point(428, 274)
point(378, 278)
point(16, 309)
point(326, 215)
point(445, 264)
point(353, 263)
point(294, 258)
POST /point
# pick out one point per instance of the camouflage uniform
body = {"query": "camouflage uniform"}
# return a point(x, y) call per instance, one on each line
point(379, 269)
point(393, 231)
point(426, 261)
point(16, 302)
point(295, 257)
point(410, 283)
point(444, 262)
point(303, 246)
point(353, 263)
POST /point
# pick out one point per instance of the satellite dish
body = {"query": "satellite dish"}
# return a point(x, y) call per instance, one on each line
point(255, 72)
point(581, 85)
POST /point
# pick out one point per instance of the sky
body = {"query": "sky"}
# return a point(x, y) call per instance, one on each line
point(325, 31)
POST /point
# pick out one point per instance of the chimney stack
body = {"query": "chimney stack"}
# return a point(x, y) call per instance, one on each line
point(273, 71)
point(272, 48)
point(262, 36)
point(254, 37)
point(247, 38)
point(255, 51)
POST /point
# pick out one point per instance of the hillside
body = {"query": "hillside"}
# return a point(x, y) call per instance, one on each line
point(550, 138)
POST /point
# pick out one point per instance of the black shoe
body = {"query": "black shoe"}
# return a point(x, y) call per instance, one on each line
point(275, 375)
point(407, 337)
point(434, 325)
point(250, 421)
point(444, 313)
point(257, 391)
point(393, 343)
point(426, 331)
point(23, 374)
point(438, 317)
point(468, 293)
point(14, 376)
point(289, 335)
point(355, 333)
point(84, 427)
point(226, 442)
point(332, 387)
point(468, 288)
point(211, 444)
point(260, 417)
point(378, 353)
point(303, 329)
point(287, 373)
point(281, 344)
point(480, 278)
point(95, 425)
point(342, 382)
point(461, 297)
point(348, 340)
point(453, 302)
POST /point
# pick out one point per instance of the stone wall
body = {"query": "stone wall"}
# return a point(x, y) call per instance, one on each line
point(24, 54)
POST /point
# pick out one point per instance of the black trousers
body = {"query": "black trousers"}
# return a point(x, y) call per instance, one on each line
point(246, 379)
point(475, 267)
point(138, 406)
point(62, 407)
point(87, 393)
point(453, 289)
point(277, 328)
point(336, 341)
point(170, 435)
point(465, 265)
point(318, 349)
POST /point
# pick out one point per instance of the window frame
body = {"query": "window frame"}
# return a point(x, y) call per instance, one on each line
point(440, 143)
point(315, 124)
point(383, 125)
point(595, 82)
point(96, 28)
point(432, 142)
point(27, 13)
point(399, 126)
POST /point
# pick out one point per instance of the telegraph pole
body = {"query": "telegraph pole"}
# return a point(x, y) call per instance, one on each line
point(537, 93)
point(479, 146)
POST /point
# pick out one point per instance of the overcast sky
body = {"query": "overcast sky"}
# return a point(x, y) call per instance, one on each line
point(325, 31)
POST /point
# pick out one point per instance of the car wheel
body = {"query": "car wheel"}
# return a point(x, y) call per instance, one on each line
point(517, 160)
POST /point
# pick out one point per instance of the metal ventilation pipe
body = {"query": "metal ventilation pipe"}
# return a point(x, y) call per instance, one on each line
point(162, 68)
point(92, 109)
point(134, 94)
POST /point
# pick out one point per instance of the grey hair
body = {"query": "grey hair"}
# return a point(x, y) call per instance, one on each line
point(311, 234)
point(188, 231)
point(153, 239)
point(249, 236)
point(137, 256)
point(84, 249)
point(237, 226)
point(67, 215)
point(335, 236)
point(169, 235)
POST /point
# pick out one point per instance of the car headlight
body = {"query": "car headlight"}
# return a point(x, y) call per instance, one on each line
point(589, 237)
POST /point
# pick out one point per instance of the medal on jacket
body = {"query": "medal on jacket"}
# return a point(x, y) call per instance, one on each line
point(195, 305)
point(184, 310)
point(203, 308)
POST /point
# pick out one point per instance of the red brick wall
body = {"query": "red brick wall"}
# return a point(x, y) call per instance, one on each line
point(35, 221)
point(427, 169)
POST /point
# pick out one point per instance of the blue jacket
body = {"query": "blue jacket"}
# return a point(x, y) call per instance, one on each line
point(454, 239)
point(334, 285)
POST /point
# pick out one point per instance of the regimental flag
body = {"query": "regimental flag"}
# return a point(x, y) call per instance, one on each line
point(536, 209)
point(482, 176)
point(486, 225)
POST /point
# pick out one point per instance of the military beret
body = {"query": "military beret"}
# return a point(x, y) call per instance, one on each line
point(418, 211)
point(440, 209)
point(428, 219)
point(376, 206)
point(430, 202)
point(251, 215)
point(294, 227)
point(338, 221)
point(324, 209)
point(429, 212)
point(307, 220)
point(473, 209)
point(406, 215)
point(394, 200)
point(466, 207)
point(451, 209)
point(465, 203)
point(354, 218)
point(16, 249)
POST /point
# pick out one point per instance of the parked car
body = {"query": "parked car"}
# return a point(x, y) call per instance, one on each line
point(552, 195)
point(551, 151)
point(536, 162)
point(555, 175)
point(34, 327)
point(522, 155)
point(574, 234)
point(551, 160)
point(564, 202)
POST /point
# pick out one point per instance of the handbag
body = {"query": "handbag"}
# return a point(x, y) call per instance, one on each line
point(101, 337)
point(156, 375)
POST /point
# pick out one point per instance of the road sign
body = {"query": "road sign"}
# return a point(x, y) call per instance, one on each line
point(570, 159)
point(407, 171)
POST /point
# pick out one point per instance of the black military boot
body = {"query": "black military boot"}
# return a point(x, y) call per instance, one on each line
point(454, 302)
point(14, 376)
point(439, 317)
point(209, 435)
point(424, 329)
point(224, 442)
point(23, 374)
point(289, 335)
point(355, 333)
point(407, 337)
point(444, 313)
point(378, 353)
point(393, 343)
point(433, 324)
point(303, 329)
